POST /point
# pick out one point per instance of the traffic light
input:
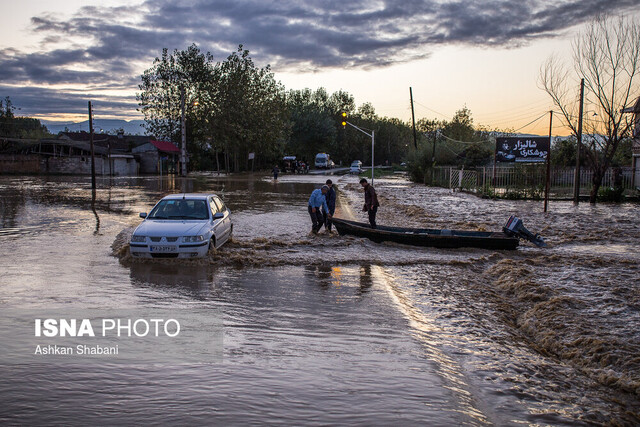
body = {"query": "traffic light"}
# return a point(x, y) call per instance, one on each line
point(344, 119)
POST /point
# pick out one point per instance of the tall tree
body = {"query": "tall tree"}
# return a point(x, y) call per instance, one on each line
point(161, 90)
point(19, 127)
point(313, 127)
point(460, 128)
point(250, 113)
point(231, 106)
point(607, 56)
point(6, 117)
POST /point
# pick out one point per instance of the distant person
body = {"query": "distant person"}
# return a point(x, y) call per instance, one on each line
point(317, 201)
point(276, 171)
point(370, 201)
point(331, 204)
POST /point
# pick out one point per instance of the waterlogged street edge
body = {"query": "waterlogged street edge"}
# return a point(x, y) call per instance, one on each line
point(540, 336)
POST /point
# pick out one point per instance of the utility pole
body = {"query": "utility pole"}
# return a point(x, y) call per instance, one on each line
point(373, 142)
point(548, 180)
point(93, 158)
point(109, 157)
point(413, 119)
point(576, 184)
point(373, 148)
point(433, 157)
point(183, 146)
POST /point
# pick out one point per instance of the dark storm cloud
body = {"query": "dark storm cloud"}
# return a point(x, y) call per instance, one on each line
point(289, 35)
point(43, 101)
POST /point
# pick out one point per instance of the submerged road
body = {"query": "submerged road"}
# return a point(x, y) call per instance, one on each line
point(327, 329)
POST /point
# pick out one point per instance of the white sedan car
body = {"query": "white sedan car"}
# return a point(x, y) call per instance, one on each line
point(182, 226)
point(356, 167)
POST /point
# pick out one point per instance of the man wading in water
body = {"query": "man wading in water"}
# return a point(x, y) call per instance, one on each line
point(331, 203)
point(370, 201)
point(316, 201)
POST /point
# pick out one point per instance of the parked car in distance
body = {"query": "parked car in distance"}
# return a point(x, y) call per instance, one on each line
point(323, 161)
point(356, 167)
point(182, 226)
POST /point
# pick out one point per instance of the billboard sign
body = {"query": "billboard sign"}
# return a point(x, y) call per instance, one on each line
point(522, 149)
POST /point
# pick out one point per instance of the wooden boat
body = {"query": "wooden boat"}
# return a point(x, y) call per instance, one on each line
point(428, 237)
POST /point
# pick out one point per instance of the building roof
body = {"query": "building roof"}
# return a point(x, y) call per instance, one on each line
point(122, 143)
point(165, 146)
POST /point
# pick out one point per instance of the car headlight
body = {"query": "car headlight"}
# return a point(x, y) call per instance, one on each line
point(138, 239)
point(188, 239)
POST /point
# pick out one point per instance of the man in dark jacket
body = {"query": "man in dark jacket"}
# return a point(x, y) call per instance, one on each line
point(331, 204)
point(317, 201)
point(370, 201)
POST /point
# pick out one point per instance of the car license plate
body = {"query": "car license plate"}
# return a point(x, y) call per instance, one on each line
point(163, 248)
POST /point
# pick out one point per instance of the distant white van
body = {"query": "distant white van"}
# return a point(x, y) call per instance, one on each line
point(323, 161)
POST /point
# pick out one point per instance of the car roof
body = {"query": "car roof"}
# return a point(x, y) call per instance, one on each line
point(191, 196)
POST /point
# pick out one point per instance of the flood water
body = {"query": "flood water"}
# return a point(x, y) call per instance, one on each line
point(328, 329)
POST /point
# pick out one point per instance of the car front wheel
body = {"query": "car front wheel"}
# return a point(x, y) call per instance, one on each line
point(212, 246)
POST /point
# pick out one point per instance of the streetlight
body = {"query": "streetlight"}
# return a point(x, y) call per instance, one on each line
point(345, 122)
point(183, 131)
point(183, 145)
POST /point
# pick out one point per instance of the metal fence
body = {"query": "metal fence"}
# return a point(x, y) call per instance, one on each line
point(528, 177)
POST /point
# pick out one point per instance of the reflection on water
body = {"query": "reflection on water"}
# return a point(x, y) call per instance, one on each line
point(328, 329)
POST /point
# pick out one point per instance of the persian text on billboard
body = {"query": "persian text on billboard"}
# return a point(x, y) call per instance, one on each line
point(522, 150)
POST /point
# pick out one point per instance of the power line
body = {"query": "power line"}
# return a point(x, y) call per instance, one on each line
point(454, 153)
point(531, 122)
point(513, 112)
point(516, 118)
point(434, 111)
point(464, 142)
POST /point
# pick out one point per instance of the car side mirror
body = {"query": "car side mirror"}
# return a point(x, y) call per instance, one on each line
point(143, 214)
point(218, 215)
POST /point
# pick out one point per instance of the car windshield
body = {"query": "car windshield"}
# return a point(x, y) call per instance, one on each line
point(179, 209)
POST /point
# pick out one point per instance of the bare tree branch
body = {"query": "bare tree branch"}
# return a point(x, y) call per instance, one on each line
point(606, 54)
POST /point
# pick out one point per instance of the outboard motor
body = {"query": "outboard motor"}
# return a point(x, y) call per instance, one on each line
point(514, 227)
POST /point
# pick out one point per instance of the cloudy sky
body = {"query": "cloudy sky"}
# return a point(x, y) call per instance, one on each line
point(55, 55)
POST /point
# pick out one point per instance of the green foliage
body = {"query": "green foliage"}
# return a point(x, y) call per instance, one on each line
point(610, 194)
point(394, 138)
point(428, 126)
point(488, 191)
point(160, 99)
point(457, 143)
point(418, 163)
point(623, 155)
point(231, 107)
point(527, 193)
point(313, 125)
point(316, 127)
point(563, 153)
point(250, 113)
point(478, 154)
point(19, 127)
point(380, 172)
point(461, 126)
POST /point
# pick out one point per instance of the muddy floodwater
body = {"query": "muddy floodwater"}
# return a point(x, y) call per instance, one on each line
point(332, 330)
